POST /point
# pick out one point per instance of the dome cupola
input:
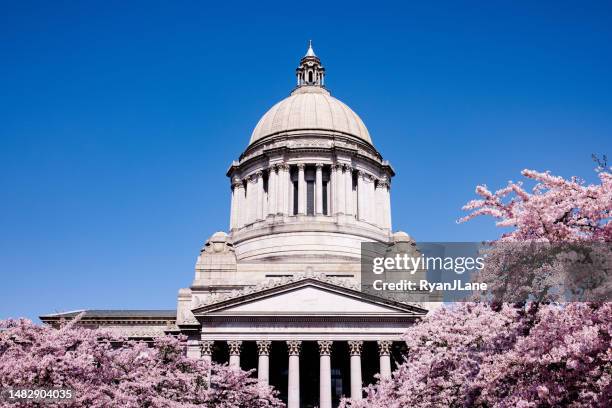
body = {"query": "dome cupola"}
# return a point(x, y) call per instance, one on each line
point(310, 72)
point(310, 109)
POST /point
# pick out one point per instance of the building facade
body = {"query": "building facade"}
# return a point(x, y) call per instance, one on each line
point(279, 292)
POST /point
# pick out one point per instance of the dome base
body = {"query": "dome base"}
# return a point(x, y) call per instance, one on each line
point(310, 239)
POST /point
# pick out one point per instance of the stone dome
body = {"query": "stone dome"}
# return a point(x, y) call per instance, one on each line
point(311, 187)
point(310, 108)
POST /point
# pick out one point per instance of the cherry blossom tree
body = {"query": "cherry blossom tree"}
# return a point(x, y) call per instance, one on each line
point(106, 371)
point(560, 243)
point(445, 353)
point(471, 355)
point(557, 210)
point(565, 360)
point(533, 352)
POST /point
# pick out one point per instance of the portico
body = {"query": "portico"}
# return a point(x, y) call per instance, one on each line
point(292, 352)
point(293, 313)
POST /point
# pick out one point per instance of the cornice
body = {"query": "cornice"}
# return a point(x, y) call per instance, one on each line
point(334, 320)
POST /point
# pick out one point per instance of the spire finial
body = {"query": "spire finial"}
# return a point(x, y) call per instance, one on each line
point(310, 72)
point(310, 52)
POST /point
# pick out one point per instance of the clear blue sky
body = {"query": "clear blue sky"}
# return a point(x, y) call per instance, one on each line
point(119, 119)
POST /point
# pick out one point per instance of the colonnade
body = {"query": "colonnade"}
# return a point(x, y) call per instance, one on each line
point(294, 348)
point(351, 192)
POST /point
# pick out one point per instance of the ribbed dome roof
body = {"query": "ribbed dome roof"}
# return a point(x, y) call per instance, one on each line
point(310, 108)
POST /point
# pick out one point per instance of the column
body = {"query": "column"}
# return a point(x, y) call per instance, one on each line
point(333, 179)
point(207, 347)
point(293, 389)
point(383, 190)
point(301, 190)
point(384, 351)
point(325, 396)
point(380, 213)
point(341, 190)
point(193, 349)
point(328, 194)
point(319, 192)
point(264, 196)
point(282, 203)
point(348, 188)
point(355, 352)
point(263, 364)
point(240, 203)
point(251, 195)
point(371, 204)
point(234, 352)
point(361, 192)
point(260, 195)
point(387, 196)
point(290, 198)
point(232, 209)
point(367, 199)
point(272, 190)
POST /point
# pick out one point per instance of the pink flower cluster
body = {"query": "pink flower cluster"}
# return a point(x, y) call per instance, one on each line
point(106, 371)
point(560, 245)
point(558, 210)
point(532, 353)
point(474, 356)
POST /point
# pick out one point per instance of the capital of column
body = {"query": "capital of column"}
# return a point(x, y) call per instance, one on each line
point(336, 166)
point(252, 178)
point(319, 165)
point(294, 347)
point(347, 168)
point(325, 347)
point(383, 183)
point(355, 347)
point(234, 347)
point(236, 181)
point(384, 347)
point(207, 347)
point(259, 173)
point(273, 168)
point(263, 347)
point(283, 166)
point(301, 166)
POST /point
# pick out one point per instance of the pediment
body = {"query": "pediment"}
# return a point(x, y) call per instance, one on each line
point(308, 298)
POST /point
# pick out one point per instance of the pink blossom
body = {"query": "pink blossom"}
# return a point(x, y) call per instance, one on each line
point(557, 210)
point(529, 354)
point(474, 356)
point(106, 371)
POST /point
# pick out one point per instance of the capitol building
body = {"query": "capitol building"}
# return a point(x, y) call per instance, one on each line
point(279, 292)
